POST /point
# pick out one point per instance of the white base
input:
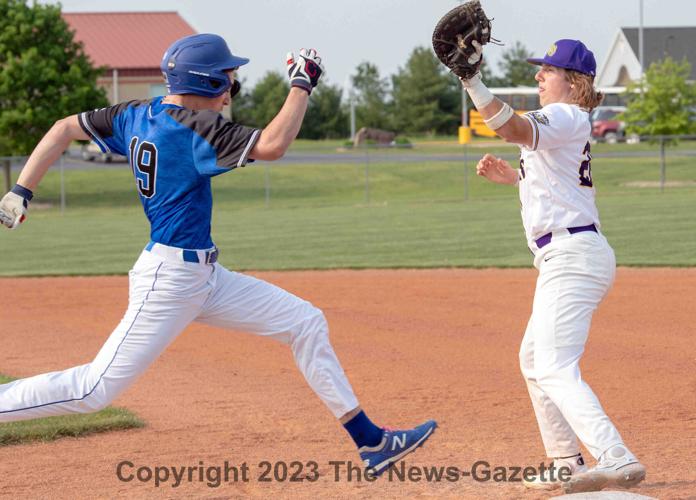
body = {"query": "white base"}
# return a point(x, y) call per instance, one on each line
point(604, 495)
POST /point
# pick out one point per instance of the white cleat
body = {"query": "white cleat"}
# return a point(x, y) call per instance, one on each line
point(616, 467)
point(548, 479)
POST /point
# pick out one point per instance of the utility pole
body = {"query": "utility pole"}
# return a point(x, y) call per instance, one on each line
point(350, 90)
point(465, 110)
point(352, 114)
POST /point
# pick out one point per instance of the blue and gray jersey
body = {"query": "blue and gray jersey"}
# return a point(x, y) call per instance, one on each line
point(173, 152)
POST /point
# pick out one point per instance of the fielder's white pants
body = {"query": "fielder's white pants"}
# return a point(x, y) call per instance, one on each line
point(575, 273)
point(165, 295)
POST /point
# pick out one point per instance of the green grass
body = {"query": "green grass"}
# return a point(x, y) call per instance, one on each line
point(52, 428)
point(319, 217)
point(449, 145)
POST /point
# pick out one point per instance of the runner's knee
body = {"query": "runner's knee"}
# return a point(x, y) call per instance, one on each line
point(98, 390)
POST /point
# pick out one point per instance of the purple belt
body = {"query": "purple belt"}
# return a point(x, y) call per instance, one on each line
point(542, 241)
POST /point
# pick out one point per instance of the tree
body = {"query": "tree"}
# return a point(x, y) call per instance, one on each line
point(241, 108)
point(326, 118)
point(257, 106)
point(267, 98)
point(488, 77)
point(44, 74)
point(426, 96)
point(663, 103)
point(371, 94)
point(515, 68)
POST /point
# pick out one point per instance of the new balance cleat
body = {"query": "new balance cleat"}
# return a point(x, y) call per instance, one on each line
point(395, 445)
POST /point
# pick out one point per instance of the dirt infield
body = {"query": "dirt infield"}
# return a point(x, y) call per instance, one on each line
point(416, 344)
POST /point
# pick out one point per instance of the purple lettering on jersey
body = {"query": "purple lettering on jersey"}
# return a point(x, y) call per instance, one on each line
point(539, 117)
point(586, 168)
point(522, 173)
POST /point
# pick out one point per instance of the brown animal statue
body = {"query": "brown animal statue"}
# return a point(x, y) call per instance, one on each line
point(383, 137)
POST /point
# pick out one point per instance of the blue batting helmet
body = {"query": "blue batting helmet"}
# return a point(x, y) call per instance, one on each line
point(196, 64)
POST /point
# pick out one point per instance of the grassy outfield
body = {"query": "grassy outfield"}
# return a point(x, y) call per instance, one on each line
point(50, 429)
point(449, 145)
point(319, 217)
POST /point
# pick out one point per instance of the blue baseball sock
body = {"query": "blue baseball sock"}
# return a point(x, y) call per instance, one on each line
point(363, 431)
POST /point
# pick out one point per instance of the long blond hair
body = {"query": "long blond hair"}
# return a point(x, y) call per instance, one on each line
point(582, 90)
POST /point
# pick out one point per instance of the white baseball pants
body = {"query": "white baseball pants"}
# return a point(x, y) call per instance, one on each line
point(575, 273)
point(166, 294)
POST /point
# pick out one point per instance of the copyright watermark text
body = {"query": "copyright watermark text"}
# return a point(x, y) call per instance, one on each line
point(214, 476)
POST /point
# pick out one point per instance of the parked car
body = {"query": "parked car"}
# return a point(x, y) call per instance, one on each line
point(91, 152)
point(605, 125)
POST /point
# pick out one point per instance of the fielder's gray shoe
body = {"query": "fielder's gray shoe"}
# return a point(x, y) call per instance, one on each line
point(548, 479)
point(616, 467)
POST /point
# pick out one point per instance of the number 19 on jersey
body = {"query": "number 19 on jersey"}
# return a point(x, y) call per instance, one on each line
point(143, 160)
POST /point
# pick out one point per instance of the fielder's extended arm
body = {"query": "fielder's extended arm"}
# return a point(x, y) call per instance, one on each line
point(458, 40)
point(498, 115)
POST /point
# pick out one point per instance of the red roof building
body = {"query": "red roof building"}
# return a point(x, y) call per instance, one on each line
point(130, 45)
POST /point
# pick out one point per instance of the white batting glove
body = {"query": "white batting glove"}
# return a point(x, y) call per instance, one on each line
point(305, 71)
point(14, 206)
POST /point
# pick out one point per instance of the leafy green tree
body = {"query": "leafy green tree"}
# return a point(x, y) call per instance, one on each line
point(326, 118)
point(515, 68)
point(427, 97)
point(663, 103)
point(267, 97)
point(488, 76)
point(44, 74)
point(371, 93)
point(241, 108)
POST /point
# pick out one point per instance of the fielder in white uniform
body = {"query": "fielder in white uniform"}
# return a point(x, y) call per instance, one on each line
point(175, 145)
point(576, 264)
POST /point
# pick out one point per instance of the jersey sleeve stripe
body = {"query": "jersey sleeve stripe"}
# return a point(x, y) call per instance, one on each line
point(84, 123)
point(252, 141)
point(535, 128)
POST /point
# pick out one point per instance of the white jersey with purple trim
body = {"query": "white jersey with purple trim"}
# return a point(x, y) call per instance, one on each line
point(556, 188)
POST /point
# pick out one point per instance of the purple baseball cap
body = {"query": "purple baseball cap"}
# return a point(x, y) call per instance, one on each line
point(569, 54)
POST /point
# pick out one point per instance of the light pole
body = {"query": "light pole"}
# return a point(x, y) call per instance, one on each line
point(350, 90)
point(352, 114)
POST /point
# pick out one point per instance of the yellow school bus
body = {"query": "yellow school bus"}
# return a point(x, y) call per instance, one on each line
point(523, 99)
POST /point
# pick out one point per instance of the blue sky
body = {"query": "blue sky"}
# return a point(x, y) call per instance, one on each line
point(384, 32)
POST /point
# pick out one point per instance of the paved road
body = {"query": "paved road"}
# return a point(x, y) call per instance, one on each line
point(301, 157)
point(73, 161)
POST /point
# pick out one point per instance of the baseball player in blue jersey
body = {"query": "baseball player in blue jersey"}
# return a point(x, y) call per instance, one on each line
point(575, 262)
point(175, 144)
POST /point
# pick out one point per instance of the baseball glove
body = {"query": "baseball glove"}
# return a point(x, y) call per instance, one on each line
point(459, 38)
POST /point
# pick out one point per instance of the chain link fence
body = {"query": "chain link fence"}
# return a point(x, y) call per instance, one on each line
point(12, 164)
point(377, 174)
